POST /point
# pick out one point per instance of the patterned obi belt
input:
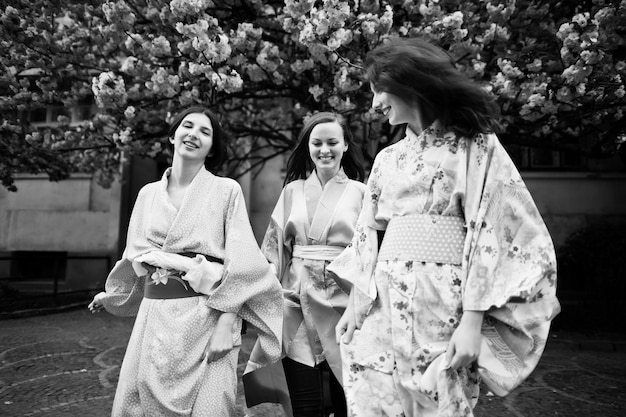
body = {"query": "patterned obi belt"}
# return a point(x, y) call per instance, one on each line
point(167, 284)
point(317, 252)
point(424, 238)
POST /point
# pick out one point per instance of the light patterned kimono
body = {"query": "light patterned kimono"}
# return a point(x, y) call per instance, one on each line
point(309, 227)
point(406, 311)
point(162, 373)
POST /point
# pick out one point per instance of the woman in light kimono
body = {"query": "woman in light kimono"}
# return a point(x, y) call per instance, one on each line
point(311, 224)
point(462, 287)
point(191, 271)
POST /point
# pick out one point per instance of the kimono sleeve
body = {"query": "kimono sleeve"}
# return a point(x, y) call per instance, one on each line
point(357, 262)
point(248, 286)
point(276, 249)
point(124, 289)
point(510, 265)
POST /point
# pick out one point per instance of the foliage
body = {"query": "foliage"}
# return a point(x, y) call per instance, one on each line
point(556, 68)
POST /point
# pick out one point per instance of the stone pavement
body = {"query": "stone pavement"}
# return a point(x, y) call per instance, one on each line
point(67, 364)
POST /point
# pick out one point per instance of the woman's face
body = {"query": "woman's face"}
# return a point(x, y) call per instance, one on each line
point(394, 108)
point(327, 146)
point(193, 138)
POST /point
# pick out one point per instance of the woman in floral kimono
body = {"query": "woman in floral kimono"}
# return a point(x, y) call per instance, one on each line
point(462, 285)
point(311, 224)
point(191, 271)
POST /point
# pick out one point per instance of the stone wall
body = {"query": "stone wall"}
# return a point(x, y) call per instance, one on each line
point(75, 216)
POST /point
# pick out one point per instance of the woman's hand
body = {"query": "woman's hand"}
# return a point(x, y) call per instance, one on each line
point(464, 346)
point(96, 304)
point(221, 341)
point(347, 323)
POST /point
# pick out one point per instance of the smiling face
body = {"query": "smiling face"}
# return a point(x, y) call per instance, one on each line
point(395, 109)
point(326, 148)
point(193, 137)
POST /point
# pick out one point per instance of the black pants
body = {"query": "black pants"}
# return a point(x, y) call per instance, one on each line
point(314, 392)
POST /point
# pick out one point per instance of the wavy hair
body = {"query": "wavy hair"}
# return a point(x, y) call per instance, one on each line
point(424, 74)
point(300, 163)
point(217, 155)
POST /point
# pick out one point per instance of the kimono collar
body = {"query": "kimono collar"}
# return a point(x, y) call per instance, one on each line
point(202, 173)
point(322, 202)
point(433, 135)
point(340, 177)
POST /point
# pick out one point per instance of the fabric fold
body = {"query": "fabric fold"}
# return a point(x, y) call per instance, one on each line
point(202, 275)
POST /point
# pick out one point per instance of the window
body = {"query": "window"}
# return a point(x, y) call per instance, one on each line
point(544, 158)
point(38, 265)
point(541, 159)
point(49, 115)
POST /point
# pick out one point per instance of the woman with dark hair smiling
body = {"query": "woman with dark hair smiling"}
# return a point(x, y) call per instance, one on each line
point(311, 224)
point(453, 269)
point(191, 271)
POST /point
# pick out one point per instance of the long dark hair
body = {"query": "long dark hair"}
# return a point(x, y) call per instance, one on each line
point(424, 74)
point(300, 164)
point(217, 155)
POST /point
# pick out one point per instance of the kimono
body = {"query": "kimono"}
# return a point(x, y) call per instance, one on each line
point(162, 372)
point(407, 309)
point(309, 227)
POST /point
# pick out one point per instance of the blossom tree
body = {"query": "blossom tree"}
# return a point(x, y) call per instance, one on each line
point(555, 67)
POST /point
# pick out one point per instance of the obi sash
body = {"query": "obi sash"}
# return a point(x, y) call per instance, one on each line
point(317, 252)
point(166, 284)
point(424, 238)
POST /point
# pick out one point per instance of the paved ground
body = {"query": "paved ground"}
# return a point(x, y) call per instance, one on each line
point(67, 364)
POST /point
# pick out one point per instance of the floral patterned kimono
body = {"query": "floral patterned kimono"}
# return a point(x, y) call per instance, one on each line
point(408, 307)
point(309, 227)
point(162, 373)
